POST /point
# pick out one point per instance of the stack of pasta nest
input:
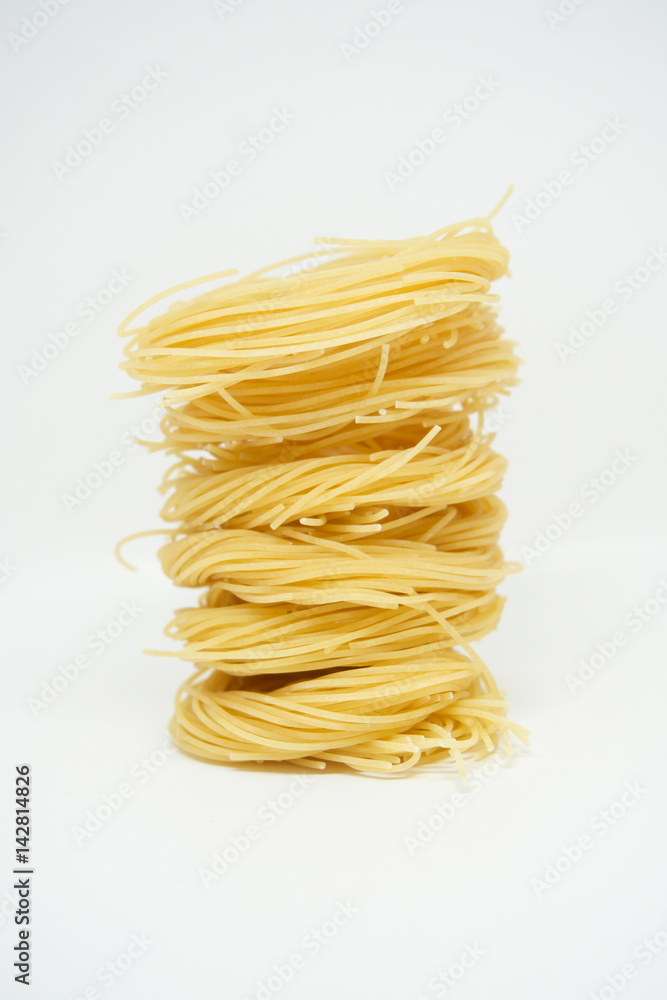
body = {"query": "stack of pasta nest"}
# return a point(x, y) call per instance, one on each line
point(334, 493)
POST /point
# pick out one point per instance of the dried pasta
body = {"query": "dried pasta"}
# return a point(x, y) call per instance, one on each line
point(333, 493)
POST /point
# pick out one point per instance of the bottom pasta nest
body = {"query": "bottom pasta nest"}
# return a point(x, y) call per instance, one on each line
point(371, 719)
point(387, 717)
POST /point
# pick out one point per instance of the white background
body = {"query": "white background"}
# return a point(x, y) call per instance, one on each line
point(344, 839)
